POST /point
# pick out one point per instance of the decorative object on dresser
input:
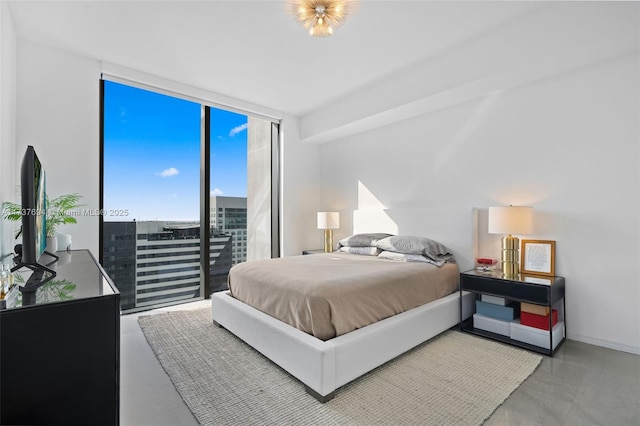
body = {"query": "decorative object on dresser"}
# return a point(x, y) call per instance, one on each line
point(510, 220)
point(539, 257)
point(486, 264)
point(328, 221)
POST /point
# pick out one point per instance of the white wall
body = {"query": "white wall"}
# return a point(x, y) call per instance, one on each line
point(7, 125)
point(300, 195)
point(565, 142)
point(58, 112)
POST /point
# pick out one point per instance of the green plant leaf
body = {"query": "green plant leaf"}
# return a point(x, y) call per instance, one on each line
point(60, 211)
point(12, 212)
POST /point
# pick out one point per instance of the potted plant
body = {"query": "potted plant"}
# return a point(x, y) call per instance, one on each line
point(59, 212)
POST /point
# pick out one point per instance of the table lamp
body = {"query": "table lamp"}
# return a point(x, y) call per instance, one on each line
point(511, 220)
point(328, 221)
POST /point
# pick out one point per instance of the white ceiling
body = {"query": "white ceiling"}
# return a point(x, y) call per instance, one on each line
point(254, 50)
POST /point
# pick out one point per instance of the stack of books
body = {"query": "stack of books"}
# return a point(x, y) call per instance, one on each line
point(524, 322)
point(495, 314)
point(537, 316)
point(533, 326)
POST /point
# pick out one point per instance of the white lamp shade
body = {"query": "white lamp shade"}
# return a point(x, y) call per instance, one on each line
point(328, 220)
point(511, 220)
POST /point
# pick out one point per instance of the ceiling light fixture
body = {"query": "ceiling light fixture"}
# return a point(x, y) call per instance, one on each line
point(321, 17)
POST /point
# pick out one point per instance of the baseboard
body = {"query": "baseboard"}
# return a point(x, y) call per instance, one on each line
point(604, 343)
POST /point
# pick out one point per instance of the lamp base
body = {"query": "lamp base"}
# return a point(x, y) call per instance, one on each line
point(328, 240)
point(510, 256)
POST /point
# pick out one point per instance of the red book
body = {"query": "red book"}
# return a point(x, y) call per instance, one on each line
point(538, 321)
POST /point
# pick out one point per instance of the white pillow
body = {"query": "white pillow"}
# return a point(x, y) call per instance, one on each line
point(369, 251)
point(404, 257)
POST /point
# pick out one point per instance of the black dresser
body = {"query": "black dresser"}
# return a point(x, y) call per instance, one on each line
point(60, 346)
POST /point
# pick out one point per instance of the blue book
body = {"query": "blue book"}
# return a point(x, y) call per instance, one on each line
point(506, 313)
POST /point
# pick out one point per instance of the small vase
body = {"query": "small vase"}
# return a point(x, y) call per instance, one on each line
point(64, 241)
point(52, 244)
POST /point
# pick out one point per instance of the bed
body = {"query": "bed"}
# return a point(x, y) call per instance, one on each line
point(333, 358)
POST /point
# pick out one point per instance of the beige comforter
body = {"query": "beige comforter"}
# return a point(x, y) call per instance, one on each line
point(327, 295)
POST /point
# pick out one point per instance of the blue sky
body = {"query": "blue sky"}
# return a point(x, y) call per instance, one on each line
point(152, 155)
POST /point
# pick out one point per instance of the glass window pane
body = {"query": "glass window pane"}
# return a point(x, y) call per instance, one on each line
point(228, 183)
point(151, 196)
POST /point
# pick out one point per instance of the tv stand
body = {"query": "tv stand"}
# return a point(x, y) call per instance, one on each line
point(38, 269)
point(55, 257)
point(60, 346)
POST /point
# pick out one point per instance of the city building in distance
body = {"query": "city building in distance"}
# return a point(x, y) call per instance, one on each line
point(228, 215)
point(156, 263)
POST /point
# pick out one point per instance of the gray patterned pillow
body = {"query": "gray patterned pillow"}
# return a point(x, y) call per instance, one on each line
point(416, 245)
point(362, 240)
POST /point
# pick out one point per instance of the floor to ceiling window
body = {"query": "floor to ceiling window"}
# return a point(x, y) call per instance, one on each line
point(153, 191)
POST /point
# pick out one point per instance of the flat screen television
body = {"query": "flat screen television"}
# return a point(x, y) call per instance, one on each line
point(34, 215)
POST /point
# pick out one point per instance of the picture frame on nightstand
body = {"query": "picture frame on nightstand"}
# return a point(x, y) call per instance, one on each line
point(537, 257)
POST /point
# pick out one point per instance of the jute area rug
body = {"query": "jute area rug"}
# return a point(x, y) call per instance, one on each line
point(455, 379)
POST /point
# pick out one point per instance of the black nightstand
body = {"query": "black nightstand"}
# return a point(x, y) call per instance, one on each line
point(547, 292)
point(314, 251)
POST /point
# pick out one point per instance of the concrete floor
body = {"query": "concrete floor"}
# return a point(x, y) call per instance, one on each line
point(581, 385)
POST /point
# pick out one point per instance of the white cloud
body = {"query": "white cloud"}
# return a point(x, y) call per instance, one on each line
point(238, 129)
point(124, 117)
point(216, 192)
point(171, 171)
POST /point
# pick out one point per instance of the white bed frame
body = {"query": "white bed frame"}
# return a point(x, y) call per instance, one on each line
point(324, 366)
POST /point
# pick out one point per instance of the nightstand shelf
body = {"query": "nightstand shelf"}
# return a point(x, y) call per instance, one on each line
point(467, 327)
point(545, 291)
